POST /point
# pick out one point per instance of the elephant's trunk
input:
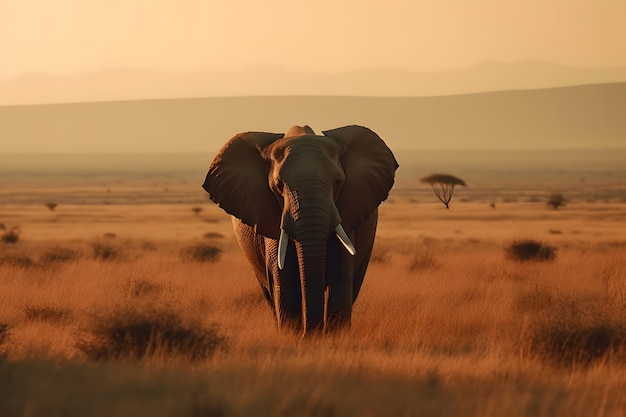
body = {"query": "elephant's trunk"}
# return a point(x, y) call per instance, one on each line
point(309, 219)
point(312, 264)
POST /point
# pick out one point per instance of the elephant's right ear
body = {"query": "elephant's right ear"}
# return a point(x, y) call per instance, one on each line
point(237, 181)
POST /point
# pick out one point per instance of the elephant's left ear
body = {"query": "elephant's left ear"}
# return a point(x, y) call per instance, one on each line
point(369, 169)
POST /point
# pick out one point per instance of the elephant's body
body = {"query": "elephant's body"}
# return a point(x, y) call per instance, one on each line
point(289, 196)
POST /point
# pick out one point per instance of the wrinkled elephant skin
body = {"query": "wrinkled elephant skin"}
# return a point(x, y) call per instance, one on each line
point(305, 210)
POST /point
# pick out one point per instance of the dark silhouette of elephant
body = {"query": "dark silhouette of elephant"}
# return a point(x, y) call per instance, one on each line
point(305, 211)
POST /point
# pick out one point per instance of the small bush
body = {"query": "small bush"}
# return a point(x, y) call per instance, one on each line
point(105, 251)
point(23, 261)
point(569, 344)
point(555, 201)
point(59, 255)
point(201, 252)
point(11, 236)
point(44, 259)
point(529, 250)
point(134, 334)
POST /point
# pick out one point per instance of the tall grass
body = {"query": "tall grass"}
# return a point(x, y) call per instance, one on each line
point(440, 328)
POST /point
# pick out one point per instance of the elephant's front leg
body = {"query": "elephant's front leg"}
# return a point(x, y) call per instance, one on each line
point(286, 290)
point(339, 287)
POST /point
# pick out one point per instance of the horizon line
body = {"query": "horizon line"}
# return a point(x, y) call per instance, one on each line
point(340, 96)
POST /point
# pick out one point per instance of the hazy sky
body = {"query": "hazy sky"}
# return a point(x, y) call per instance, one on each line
point(75, 36)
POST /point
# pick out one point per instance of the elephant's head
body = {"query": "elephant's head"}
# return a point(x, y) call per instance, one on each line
point(306, 188)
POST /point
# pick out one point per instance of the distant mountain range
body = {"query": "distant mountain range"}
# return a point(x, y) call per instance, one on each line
point(581, 117)
point(122, 84)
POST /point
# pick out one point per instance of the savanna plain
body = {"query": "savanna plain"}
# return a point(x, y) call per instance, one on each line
point(124, 293)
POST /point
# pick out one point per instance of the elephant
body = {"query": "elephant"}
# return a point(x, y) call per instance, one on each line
point(304, 211)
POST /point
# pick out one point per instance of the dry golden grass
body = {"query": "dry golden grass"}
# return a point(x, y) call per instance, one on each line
point(445, 323)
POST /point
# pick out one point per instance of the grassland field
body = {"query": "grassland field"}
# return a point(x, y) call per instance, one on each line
point(124, 301)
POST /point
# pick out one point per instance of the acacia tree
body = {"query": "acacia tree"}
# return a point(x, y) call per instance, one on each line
point(443, 186)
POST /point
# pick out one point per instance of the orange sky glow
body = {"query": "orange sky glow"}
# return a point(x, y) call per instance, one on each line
point(74, 36)
point(77, 51)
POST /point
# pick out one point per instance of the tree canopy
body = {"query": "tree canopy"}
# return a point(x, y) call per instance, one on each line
point(443, 179)
point(443, 186)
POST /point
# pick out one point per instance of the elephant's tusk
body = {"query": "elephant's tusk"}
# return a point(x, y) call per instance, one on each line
point(282, 248)
point(345, 240)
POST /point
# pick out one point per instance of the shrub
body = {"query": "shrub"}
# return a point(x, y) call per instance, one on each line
point(59, 255)
point(105, 251)
point(201, 252)
point(47, 258)
point(11, 236)
point(133, 333)
point(570, 343)
point(23, 261)
point(529, 250)
point(555, 201)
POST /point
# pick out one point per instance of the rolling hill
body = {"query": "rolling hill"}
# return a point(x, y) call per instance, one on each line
point(590, 116)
